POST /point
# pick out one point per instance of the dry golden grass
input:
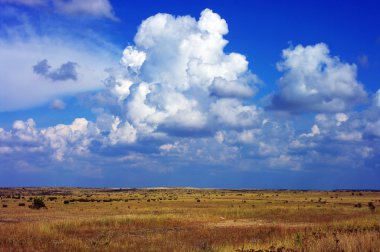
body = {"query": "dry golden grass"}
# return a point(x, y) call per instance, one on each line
point(188, 220)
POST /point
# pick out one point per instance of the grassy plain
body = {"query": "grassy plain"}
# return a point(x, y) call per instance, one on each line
point(187, 219)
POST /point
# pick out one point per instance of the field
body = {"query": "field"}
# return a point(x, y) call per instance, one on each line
point(188, 219)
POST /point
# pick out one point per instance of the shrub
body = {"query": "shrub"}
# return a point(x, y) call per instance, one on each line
point(371, 206)
point(358, 205)
point(21, 204)
point(38, 203)
point(83, 200)
point(5, 205)
point(66, 202)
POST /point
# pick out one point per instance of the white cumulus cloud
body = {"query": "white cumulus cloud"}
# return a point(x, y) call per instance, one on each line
point(74, 138)
point(176, 79)
point(314, 80)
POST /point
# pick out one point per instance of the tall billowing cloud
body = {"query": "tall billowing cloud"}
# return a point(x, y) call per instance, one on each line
point(177, 79)
point(315, 81)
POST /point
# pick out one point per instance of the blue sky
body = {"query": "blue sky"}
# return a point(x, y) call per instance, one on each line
point(231, 94)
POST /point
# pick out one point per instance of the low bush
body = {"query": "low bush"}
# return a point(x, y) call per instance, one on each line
point(371, 206)
point(358, 205)
point(38, 203)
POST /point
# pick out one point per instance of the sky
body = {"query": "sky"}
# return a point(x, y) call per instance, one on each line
point(217, 94)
